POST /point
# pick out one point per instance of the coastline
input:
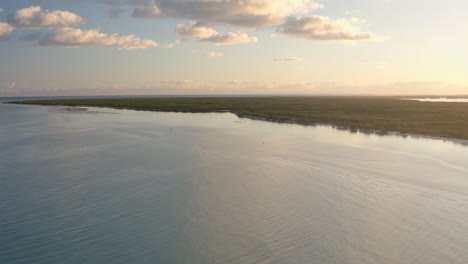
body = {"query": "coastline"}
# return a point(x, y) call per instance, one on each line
point(343, 128)
point(370, 132)
point(363, 117)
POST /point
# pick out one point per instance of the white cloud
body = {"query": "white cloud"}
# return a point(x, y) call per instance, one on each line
point(289, 59)
point(230, 38)
point(325, 29)
point(204, 33)
point(34, 17)
point(213, 54)
point(5, 30)
point(1, 10)
point(126, 2)
point(173, 44)
point(137, 43)
point(70, 37)
point(195, 29)
point(118, 2)
point(242, 13)
point(12, 85)
point(283, 14)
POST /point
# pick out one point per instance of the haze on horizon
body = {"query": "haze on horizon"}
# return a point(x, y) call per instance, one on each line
point(131, 47)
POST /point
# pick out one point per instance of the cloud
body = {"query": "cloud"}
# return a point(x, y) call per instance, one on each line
point(195, 29)
point(5, 30)
point(1, 10)
point(137, 43)
point(34, 17)
point(125, 2)
point(241, 13)
point(289, 59)
point(117, 2)
point(282, 14)
point(173, 44)
point(204, 33)
point(183, 84)
point(213, 54)
point(73, 38)
point(325, 29)
point(230, 38)
point(12, 85)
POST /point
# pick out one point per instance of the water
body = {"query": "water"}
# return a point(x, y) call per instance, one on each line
point(442, 100)
point(118, 186)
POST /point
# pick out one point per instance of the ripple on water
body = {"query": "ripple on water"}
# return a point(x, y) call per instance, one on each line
point(175, 188)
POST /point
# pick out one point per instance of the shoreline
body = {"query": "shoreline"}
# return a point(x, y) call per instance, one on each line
point(369, 132)
point(381, 116)
point(342, 128)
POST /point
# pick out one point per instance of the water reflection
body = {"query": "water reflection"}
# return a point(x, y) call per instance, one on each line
point(143, 187)
point(448, 100)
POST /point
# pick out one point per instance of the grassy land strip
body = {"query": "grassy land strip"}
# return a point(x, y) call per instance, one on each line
point(364, 113)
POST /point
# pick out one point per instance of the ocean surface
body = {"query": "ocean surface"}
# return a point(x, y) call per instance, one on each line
point(121, 186)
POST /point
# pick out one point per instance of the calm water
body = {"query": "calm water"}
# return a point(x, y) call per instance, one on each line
point(442, 100)
point(114, 186)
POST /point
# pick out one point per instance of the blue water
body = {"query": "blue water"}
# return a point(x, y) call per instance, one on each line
point(118, 186)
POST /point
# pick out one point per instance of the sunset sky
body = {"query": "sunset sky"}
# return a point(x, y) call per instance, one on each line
point(104, 47)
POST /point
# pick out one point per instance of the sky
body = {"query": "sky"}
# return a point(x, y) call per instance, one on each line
point(172, 47)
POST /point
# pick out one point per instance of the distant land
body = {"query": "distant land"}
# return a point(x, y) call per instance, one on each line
point(366, 114)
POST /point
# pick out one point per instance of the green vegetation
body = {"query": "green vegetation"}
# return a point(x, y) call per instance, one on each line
point(364, 113)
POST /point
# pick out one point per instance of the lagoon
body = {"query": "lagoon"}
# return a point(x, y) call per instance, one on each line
point(123, 186)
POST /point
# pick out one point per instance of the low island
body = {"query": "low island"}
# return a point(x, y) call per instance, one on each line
point(367, 114)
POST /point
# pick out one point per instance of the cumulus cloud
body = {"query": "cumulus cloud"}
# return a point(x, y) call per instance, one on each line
point(325, 29)
point(125, 2)
point(195, 29)
point(5, 30)
point(71, 37)
point(249, 14)
point(204, 33)
point(241, 13)
point(289, 59)
point(35, 17)
point(136, 43)
point(118, 2)
point(173, 44)
point(213, 54)
point(230, 38)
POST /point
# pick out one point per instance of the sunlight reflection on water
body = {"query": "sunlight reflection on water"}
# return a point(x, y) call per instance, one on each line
point(446, 100)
